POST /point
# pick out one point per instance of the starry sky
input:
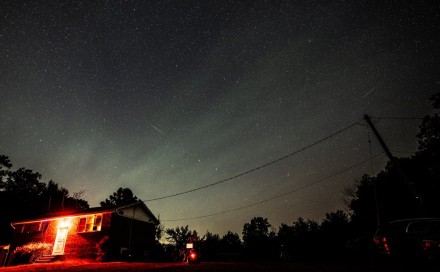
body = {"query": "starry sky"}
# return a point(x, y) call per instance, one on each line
point(167, 96)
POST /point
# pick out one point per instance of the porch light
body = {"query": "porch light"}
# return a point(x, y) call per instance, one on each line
point(65, 223)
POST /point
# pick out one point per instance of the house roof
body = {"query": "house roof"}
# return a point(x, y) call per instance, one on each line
point(112, 209)
point(142, 205)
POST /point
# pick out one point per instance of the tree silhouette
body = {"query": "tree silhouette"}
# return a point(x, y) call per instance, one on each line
point(122, 196)
point(429, 136)
point(210, 246)
point(5, 165)
point(300, 241)
point(231, 242)
point(258, 239)
point(159, 230)
point(427, 160)
point(335, 232)
point(258, 228)
point(178, 236)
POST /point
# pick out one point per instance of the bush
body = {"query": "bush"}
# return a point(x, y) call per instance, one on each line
point(103, 249)
point(30, 252)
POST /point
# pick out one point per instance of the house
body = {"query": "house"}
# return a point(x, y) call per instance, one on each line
point(122, 232)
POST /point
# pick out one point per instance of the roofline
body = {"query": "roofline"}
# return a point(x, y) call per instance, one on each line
point(143, 205)
point(52, 218)
point(113, 209)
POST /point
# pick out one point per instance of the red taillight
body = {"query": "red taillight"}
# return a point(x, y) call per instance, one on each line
point(386, 247)
point(385, 244)
point(376, 241)
point(382, 242)
point(193, 256)
point(427, 244)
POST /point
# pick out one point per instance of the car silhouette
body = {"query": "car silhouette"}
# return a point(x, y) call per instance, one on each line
point(415, 239)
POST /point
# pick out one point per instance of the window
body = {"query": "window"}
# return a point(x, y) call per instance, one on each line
point(25, 228)
point(82, 224)
point(34, 227)
point(97, 223)
point(90, 223)
point(43, 226)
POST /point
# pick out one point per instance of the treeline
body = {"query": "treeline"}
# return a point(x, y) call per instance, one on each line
point(301, 241)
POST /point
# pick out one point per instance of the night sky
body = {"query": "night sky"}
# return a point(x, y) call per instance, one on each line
point(168, 96)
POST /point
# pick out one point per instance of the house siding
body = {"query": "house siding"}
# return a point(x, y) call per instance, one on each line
point(83, 245)
point(137, 242)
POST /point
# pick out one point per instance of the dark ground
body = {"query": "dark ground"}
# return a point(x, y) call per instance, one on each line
point(213, 266)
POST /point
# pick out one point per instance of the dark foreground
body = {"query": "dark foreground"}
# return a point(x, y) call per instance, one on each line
point(213, 266)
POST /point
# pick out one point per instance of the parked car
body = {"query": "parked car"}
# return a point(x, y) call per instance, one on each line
point(416, 239)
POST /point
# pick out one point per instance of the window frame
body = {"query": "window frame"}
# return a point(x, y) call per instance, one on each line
point(89, 223)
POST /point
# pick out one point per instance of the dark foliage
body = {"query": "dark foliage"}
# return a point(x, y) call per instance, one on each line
point(307, 240)
point(103, 249)
point(122, 196)
point(300, 241)
point(178, 236)
point(231, 247)
point(258, 240)
point(335, 231)
point(210, 246)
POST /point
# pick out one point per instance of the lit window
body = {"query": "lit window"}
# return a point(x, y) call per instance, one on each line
point(90, 223)
point(97, 223)
point(82, 224)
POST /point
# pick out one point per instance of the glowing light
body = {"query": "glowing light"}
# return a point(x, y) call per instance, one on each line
point(65, 223)
point(427, 244)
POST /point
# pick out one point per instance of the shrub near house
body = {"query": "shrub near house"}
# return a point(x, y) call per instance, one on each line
point(30, 252)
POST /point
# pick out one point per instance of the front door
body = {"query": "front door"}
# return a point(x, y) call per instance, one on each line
point(60, 241)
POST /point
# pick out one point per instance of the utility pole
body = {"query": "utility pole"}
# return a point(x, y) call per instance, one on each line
point(379, 138)
point(409, 185)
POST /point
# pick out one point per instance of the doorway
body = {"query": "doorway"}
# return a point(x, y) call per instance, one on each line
point(60, 241)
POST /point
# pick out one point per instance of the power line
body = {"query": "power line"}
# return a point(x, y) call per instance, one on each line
point(277, 196)
point(405, 152)
point(256, 168)
point(397, 118)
